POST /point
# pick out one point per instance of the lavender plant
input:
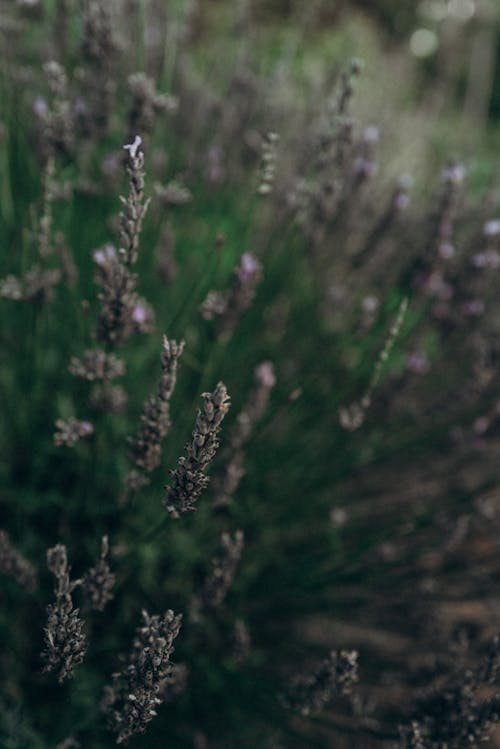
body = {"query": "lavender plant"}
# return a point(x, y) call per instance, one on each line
point(366, 544)
point(65, 641)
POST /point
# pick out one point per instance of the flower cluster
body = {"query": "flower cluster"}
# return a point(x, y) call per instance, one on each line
point(98, 581)
point(147, 103)
point(336, 675)
point(71, 431)
point(227, 481)
point(223, 569)
point(65, 641)
point(36, 287)
point(189, 479)
point(227, 307)
point(155, 418)
point(96, 364)
point(135, 694)
point(461, 712)
point(123, 311)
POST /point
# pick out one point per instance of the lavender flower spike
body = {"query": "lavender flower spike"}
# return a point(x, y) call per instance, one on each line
point(65, 641)
point(188, 479)
point(155, 418)
point(133, 698)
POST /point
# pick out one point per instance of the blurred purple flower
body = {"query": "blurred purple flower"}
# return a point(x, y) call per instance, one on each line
point(249, 267)
point(454, 174)
point(133, 147)
point(40, 106)
point(140, 314)
point(486, 259)
point(492, 228)
point(265, 374)
point(102, 256)
point(473, 307)
point(418, 363)
point(446, 250)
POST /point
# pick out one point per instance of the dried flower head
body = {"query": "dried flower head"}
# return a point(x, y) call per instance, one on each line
point(65, 641)
point(71, 431)
point(463, 711)
point(189, 479)
point(134, 207)
point(411, 737)
point(123, 312)
point(38, 285)
point(336, 675)
point(98, 582)
point(11, 288)
point(155, 418)
point(13, 564)
point(108, 398)
point(227, 481)
point(173, 193)
point(99, 52)
point(147, 104)
point(352, 416)
point(136, 692)
point(228, 307)
point(96, 364)
point(213, 305)
point(223, 569)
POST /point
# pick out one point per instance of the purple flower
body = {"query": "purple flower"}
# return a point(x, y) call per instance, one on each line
point(102, 256)
point(418, 363)
point(401, 201)
point(370, 304)
point(445, 229)
point(132, 147)
point(265, 374)
point(473, 307)
point(249, 266)
point(214, 165)
point(492, 228)
point(140, 314)
point(40, 107)
point(446, 250)
point(481, 425)
point(487, 259)
point(364, 167)
point(438, 286)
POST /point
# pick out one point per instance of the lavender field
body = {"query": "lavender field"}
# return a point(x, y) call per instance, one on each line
point(249, 385)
